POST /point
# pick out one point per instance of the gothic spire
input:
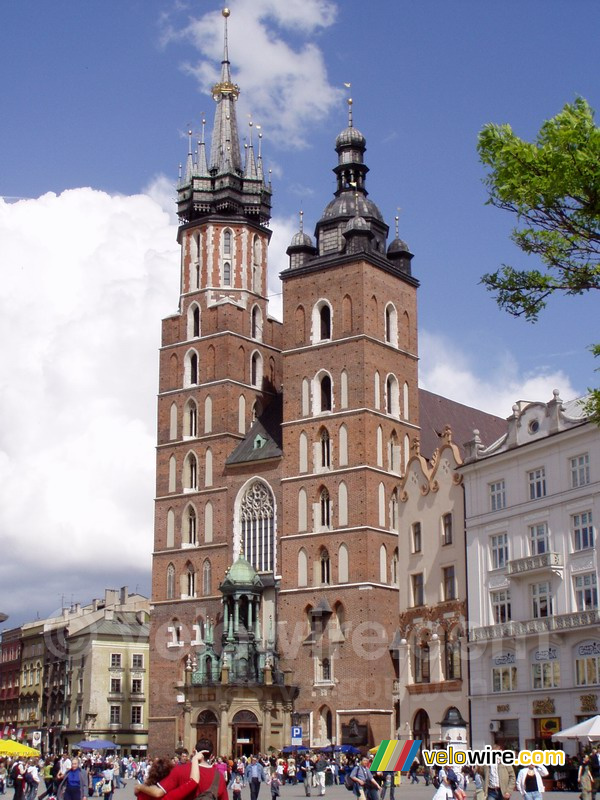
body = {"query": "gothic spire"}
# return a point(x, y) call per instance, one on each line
point(225, 145)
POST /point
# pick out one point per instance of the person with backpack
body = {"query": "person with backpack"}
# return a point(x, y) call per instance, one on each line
point(365, 785)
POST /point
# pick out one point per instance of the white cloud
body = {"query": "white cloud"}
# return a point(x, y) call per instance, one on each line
point(448, 370)
point(283, 229)
point(284, 87)
point(86, 280)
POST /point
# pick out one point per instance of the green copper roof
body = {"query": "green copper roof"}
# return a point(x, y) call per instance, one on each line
point(242, 573)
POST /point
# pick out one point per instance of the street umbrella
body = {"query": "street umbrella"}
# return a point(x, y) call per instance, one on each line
point(8, 747)
point(346, 748)
point(588, 730)
point(292, 748)
point(97, 744)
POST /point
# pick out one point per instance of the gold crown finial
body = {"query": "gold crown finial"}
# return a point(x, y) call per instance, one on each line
point(226, 12)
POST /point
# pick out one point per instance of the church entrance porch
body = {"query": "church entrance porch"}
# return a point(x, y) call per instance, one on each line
point(245, 734)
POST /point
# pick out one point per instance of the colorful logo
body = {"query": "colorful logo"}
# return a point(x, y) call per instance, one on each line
point(395, 755)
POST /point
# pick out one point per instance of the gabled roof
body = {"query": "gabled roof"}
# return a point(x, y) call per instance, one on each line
point(263, 440)
point(435, 412)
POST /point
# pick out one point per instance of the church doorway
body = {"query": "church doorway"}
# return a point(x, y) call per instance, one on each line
point(207, 729)
point(246, 734)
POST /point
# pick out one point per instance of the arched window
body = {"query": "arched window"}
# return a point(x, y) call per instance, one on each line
point(256, 369)
point(344, 389)
point(302, 510)
point(206, 578)
point(377, 392)
point(342, 504)
point(303, 453)
point(393, 453)
point(257, 516)
point(381, 505)
point(325, 443)
point(406, 450)
point(421, 727)
point(227, 273)
point(343, 445)
point(190, 420)
point(207, 414)
point(210, 363)
point(190, 581)
point(405, 331)
point(382, 564)
point(190, 526)
point(325, 567)
point(302, 568)
point(325, 506)
point(173, 422)
point(343, 564)
point(394, 568)
point(347, 314)
point(391, 325)
point(305, 397)
point(191, 369)
point(170, 582)
point(172, 474)
point(193, 321)
point(208, 468)
point(394, 511)
point(321, 322)
point(325, 393)
point(379, 446)
point(170, 528)
point(208, 523)
point(190, 472)
point(405, 401)
point(392, 399)
point(226, 243)
point(300, 325)
point(256, 323)
point(326, 673)
point(241, 414)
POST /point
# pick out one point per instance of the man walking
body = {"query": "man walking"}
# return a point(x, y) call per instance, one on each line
point(319, 774)
point(255, 775)
point(498, 780)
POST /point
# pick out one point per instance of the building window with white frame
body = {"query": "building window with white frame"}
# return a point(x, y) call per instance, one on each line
point(136, 715)
point(257, 517)
point(136, 686)
point(541, 600)
point(115, 660)
point(501, 611)
point(545, 674)
point(497, 495)
point(499, 550)
point(137, 661)
point(325, 449)
point(325, 503)
point(421, 664)
point(580, 470)
point(583, 530)
point(115, 715)
point(587, 666)
point(538, 539)
point(536, 479)
point(586, 591)
point(504, 679)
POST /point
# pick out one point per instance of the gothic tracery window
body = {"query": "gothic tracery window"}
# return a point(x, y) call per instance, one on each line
point(257, 513)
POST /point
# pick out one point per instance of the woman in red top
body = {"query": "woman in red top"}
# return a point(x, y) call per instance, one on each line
point(180, 774)
point(161, 769)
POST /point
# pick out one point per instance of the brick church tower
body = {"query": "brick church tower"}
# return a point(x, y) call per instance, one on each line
point(280, 451)
point(350, 408)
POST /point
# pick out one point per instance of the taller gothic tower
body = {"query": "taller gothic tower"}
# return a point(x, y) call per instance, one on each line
point(350, 410)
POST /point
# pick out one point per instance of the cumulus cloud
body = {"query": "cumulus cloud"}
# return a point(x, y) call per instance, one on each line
point(86, 279)
point(448, 370)
point(284, 86)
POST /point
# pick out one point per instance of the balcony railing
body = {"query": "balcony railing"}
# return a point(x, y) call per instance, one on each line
point(537, 563)
point(558, 622)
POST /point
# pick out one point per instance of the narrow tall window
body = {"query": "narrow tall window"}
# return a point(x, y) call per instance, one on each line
point(325, 568)
point(196, 322)
point(538, 539)
point(417, 589)
point(227, 243)
point(206, 578)
point(193, 369)
point(227, 273)
point(170, 582)
point(499, 550)
point(416, 537)
point(421, 662)
point(497, 496)
point(191, 582)
point(325, 322)
point(447, 529)
point(256, 328)
point(501, 611)
point(586, 591)
point(325, 386)
point(325, 449)
point(325, 502)
point(541, 599)
point(449, 583)
point(191, 525)
point(256, 369)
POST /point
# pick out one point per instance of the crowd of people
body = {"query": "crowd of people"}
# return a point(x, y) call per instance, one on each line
point(208, 778)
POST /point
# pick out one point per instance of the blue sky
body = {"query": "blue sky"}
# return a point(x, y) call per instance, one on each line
point(99, 93)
